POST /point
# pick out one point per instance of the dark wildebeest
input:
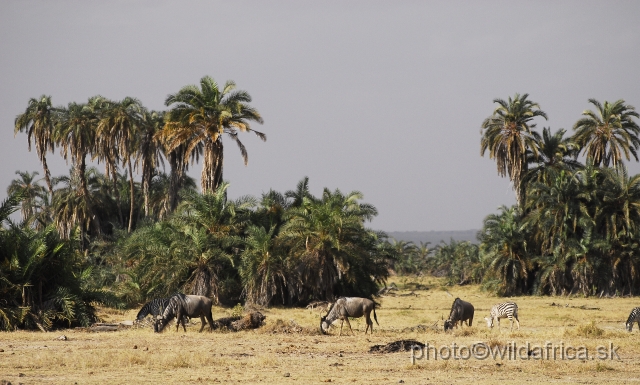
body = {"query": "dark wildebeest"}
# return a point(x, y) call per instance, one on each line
point(181, 305)
point(460, 311)
point(346, 307)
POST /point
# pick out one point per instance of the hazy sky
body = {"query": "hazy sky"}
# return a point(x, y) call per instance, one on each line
point(383, 97)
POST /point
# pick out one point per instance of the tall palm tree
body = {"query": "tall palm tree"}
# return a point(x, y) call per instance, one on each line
point(75, 134)
point(39, 121)
point(106, 150)
point(149, 153)
point(118, 123)
point(608, 133)
point(507, 135)
point(200, 116)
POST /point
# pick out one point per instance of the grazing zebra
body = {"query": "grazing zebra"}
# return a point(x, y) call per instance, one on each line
point(503, 310)
point(633, 317)
point(155, 307)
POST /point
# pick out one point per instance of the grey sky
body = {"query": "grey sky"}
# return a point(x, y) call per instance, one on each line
point(383, 97)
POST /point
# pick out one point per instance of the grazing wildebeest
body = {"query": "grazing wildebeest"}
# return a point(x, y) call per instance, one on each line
point(633, 317)
point(503, 310)
point(181, 305)
point(461, 311)
point(346, 307)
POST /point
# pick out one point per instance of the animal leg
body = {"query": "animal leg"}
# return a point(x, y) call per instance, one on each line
point(369, 323)
point(210, 319)
point(202, 323)
point(179, 320)
point(349, 325)
point(341, 323)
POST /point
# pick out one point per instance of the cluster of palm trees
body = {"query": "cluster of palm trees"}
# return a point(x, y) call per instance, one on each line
point(44, 282)
point(576, 226)
point(286, 249)
point(122, 241)
point(124, 134)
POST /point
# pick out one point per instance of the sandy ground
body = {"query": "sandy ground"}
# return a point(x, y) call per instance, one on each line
point(280, 354)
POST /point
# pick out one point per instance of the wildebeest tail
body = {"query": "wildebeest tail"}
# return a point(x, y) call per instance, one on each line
point(375, 317)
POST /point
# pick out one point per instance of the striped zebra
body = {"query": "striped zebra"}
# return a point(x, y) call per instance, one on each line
point(155, 307)
point(633, 317)
point(503, 310)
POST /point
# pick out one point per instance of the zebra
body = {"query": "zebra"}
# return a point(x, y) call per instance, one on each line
point(155, 307)
point(633, 317)
point(503, 310)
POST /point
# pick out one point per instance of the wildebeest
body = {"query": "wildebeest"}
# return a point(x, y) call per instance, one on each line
point(461, 311)
point(634, 316)
point(346, 307)
point(503, 310)
point(181, 305)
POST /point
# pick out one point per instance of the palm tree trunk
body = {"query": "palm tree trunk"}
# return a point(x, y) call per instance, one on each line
point(212, 168)
point(47, 176)
point(177, 172)
point(145, 192)
point(94, 222)
point(116, 191)
point(131, 195)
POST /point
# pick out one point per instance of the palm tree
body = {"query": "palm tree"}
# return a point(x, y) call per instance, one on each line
point(200, 116)
point(75, 134)
point(300, 193)
point(328, 240)
point(39, 121)
point(149, 153)
point(553, 153)
point(406, 252)
point(608, 132)
point(196, 250)
point(503, 243)
point(507, 135)
point(31, 192)
point(263, 268)
point(117, 126)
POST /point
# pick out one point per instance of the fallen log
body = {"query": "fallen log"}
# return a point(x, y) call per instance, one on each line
point(396, 346)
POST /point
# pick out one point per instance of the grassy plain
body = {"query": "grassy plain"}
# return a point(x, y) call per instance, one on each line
point(279, 354)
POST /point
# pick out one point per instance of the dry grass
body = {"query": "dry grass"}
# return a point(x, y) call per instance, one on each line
point(289, 349)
